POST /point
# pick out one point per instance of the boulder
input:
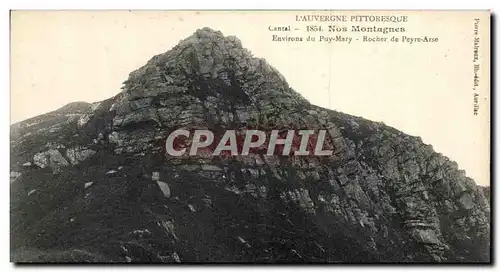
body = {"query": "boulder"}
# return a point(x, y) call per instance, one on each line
point(79, 154)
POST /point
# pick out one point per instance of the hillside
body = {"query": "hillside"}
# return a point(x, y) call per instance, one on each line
point(92, 182)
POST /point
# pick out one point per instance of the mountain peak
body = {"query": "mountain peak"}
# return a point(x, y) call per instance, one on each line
point(204, 70)
point(94, 183)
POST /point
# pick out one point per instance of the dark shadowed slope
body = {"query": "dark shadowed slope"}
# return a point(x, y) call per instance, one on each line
point(91, 182)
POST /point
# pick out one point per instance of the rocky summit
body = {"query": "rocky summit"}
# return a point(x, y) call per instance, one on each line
point(93, 183)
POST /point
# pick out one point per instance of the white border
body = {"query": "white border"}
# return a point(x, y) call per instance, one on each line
point(254, 4)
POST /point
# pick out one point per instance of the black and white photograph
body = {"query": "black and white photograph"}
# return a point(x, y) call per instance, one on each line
point(250, 137)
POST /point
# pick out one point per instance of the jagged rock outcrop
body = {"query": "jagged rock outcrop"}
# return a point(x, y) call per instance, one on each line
point(107, 192)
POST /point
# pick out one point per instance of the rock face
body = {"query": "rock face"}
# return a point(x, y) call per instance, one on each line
point(383, 196)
